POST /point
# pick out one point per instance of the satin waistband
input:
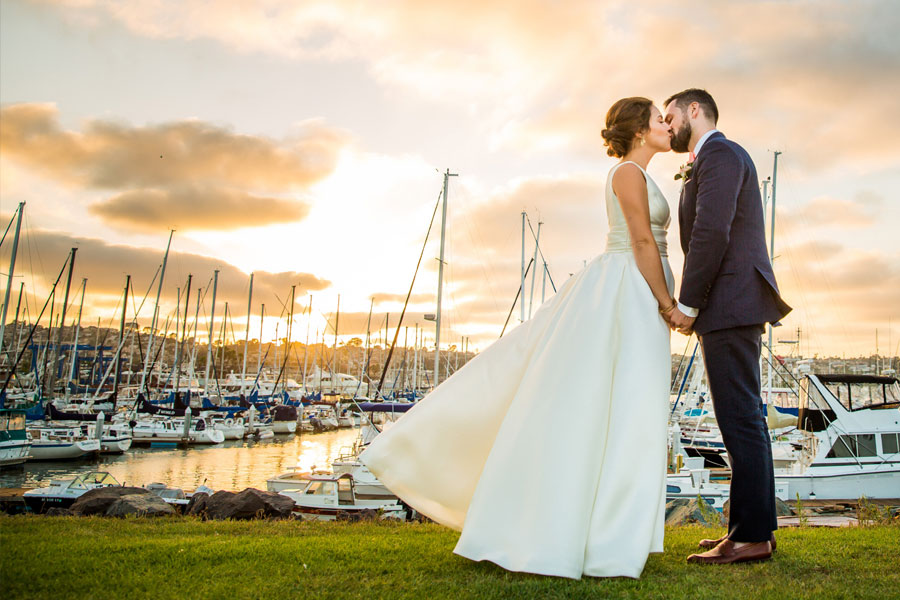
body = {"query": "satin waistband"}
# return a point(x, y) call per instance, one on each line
point(619, 240)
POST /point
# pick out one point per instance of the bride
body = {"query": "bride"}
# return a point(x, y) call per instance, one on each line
point(547, 451)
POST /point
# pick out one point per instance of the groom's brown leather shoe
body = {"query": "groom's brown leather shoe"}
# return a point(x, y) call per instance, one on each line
point(726, 553)
point(709, 544)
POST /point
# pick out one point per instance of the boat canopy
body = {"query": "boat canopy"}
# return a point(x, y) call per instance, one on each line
point(12, 424)
point(94, 478)
point(858, 392)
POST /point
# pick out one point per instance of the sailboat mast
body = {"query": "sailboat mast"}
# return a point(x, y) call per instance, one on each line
point(222, 343)
point(55, 355)
point(75, 343)
point(337, 318)
point(306, 347)
point(437, 325)
point(9, 277)
point(194, 344)
point(247, 334)
point(362, 373)
point(212, 320)
point(290, 333)
point(772, 260)
point(179, 348)
point(117, 356)
point(537, 245)
point(262, 315)
point(154, 320)
point(15, 333)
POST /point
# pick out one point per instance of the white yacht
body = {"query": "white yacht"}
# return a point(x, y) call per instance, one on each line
point(50, 441)
point(340, 383)
point(173, 430)
point(851, 439)
point(232, 428)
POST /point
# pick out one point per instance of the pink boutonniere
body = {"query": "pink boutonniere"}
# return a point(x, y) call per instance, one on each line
point(684, 173)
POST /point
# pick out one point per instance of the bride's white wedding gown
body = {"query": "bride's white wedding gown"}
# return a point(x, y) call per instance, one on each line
point(548, 449)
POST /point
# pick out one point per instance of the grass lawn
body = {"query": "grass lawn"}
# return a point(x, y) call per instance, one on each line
point(96, 558)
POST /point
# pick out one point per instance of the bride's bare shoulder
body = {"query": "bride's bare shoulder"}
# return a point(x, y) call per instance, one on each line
point(627, 177)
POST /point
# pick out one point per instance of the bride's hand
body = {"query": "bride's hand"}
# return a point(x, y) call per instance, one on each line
point(667, 310)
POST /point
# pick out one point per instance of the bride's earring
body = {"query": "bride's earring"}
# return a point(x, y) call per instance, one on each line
point(643, 141)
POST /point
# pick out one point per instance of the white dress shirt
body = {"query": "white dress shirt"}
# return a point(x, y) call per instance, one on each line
point(690, 311)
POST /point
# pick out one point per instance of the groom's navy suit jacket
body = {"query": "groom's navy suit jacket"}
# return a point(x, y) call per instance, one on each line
point(727, 274)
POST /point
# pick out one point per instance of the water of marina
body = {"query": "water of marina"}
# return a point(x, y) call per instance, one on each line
point(232, 465)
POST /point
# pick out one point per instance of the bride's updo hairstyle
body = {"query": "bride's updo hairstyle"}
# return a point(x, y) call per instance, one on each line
point(625, 118)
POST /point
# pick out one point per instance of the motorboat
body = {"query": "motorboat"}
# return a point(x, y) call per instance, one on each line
point(693, 480)
point(115, 439)
point(174, 495)
point(851, 439)
point(15, 443)
point(326, 497)
point(51, 441)
point(284, 419)
point(62, 493)
point(232, 428)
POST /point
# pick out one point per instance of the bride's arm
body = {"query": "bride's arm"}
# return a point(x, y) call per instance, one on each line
point(631, 190)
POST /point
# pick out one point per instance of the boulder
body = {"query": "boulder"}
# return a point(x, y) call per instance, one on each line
point(145, 505)
point(56, 511)
point(248, 504)
point(97, 501)
point(685, 511)
point(781, 508)
point(197, 504)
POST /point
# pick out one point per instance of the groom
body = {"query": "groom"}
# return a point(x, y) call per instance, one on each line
point(728, 293)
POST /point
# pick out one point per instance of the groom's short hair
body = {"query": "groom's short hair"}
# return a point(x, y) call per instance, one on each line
point(701, 97)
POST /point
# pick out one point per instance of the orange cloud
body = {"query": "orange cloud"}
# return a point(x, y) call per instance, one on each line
point(187, 174)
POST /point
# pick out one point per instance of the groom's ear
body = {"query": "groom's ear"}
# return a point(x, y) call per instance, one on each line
point(694, 110)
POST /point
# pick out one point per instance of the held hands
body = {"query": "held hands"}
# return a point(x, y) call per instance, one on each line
point(666, 311)
point(680, 322)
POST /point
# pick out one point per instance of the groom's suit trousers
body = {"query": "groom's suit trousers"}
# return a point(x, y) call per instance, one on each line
point(732, 368)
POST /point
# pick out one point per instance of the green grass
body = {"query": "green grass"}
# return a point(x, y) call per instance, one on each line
point(87, 558)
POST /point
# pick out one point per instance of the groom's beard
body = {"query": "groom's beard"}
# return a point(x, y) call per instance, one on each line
point(681, 138)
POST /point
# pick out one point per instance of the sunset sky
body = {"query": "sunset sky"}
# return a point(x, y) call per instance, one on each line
point(304, 141)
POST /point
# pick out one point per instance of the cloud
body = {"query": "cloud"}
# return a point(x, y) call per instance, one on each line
point(191, 208)
point(829, 211)
point(188, 174)
point(541, 75)
point(840, 294)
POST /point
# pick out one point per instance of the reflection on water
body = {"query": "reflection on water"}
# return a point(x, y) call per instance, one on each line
point(233, 465)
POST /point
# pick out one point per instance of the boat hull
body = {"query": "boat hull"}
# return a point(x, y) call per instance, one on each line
point(115, 445)
point(881, 484)
point(64, 450)
point(14, 453)
point(284, 426)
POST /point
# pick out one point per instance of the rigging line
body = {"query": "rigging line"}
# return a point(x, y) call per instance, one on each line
point(776, 372)
point(541, 252)
point(478, 244)
point(387, 361)
point(12, 368)
point(823, 273)
point(513, 307)
point(681, 361)
point(15, 212)
point(32, 252)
